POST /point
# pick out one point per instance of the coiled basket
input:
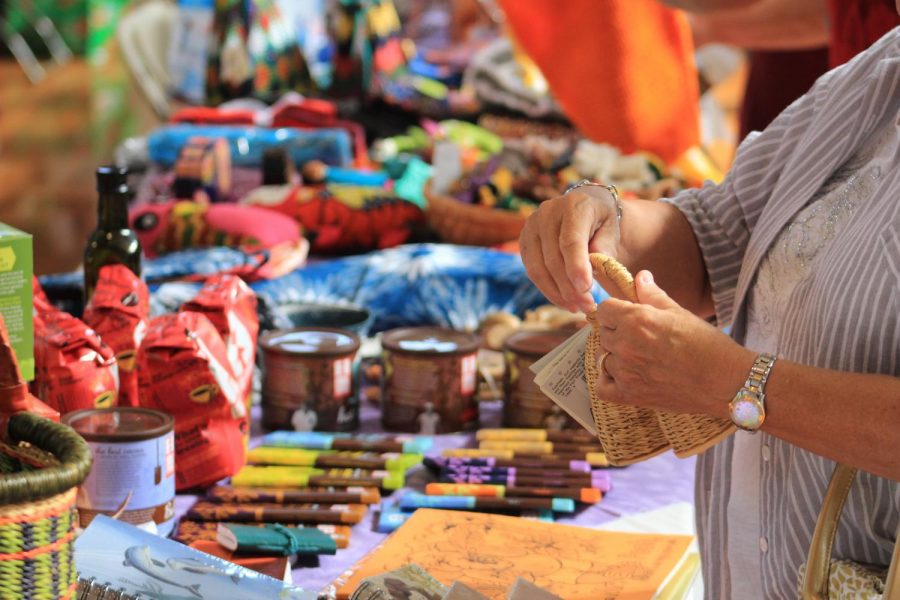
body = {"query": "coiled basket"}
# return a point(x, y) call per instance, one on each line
point(41, 465)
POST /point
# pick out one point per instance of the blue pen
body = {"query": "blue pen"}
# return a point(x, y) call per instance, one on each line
point(315, 440)
point(416, 500)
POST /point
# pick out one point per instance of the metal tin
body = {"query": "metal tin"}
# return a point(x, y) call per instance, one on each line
point(134, 465)
point(308, 382)
point(524, 404)
point(429, 380)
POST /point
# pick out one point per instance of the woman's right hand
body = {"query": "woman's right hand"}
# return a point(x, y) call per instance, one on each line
point(558, 237)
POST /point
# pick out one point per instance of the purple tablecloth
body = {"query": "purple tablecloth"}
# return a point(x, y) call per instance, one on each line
point(646, 486)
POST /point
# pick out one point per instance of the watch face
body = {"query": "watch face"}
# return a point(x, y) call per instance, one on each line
point(747, 411)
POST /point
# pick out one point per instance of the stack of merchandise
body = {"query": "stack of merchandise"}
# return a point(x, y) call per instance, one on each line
point(317, 483)
point(528, 472)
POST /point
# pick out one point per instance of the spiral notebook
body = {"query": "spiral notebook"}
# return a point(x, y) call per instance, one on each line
point(122, 559)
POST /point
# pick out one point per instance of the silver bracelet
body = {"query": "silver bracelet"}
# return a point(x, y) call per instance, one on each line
point(609, 188)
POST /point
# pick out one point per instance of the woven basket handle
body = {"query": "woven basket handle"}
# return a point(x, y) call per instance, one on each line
point(818, 562)
point(63, 442)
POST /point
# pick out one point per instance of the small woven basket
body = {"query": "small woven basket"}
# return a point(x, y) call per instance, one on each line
point(631, 434)
point(40, 469)
point(471, 224)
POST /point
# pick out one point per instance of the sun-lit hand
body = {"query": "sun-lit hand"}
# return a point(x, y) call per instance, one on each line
point(559, 236)
point(666, 358)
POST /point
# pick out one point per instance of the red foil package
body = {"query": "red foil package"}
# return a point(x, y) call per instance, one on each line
point(183, 369)
point(14, 394)
point(73, 368)
point(118, 311)
point(231, 307)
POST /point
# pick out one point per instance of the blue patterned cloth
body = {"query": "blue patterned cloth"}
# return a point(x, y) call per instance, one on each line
point(417, 284)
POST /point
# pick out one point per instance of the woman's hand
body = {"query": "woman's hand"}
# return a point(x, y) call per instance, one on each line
point(557, 239)
point(664, 357)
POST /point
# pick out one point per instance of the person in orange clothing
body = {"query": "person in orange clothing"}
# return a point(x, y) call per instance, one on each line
point(622, 70)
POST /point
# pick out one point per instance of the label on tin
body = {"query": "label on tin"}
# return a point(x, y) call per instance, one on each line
point(468, 370)
point(343, 377)
point(137, 475)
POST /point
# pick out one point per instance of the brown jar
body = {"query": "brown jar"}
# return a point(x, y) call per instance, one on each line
point(308, 382)
point(524, 404)
point(429, 380)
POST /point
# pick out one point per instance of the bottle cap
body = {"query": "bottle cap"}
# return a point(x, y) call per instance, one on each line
point(111, 178)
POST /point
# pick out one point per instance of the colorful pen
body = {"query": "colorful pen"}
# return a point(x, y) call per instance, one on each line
point(286, 477)
point(594, 459)
point(536, 435)
point(278, 513)
point(415, 500)
point(279, 455)
point(539, 447)
point(522, 471)
point(559, 466)
point(314, 440)
point(600, 483)
point(351, 495)
point(587, 495)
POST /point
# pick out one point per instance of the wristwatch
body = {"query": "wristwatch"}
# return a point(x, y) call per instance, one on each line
point(748, 407)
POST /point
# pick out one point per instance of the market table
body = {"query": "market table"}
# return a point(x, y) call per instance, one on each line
point(653, 484)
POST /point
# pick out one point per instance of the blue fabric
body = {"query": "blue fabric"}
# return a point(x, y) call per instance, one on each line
point(417, 284)
point(424, 284)
point(195, 261)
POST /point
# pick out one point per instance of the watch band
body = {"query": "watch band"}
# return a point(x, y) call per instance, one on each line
point(759, 374)
point(609, 188)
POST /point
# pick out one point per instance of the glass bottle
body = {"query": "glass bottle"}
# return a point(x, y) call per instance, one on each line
point(113, 241)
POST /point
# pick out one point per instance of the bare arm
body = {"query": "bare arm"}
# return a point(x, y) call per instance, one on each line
point(823, 411)
point(656, 237)
point(557, 239)
point(765, 25)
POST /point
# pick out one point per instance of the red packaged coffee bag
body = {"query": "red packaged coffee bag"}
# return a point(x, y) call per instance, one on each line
point(183, 369)
point(230, 305)
point(73, 368)
point(14, 394)
point(118, 311)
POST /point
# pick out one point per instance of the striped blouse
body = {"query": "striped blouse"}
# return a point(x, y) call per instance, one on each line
point(844, 314)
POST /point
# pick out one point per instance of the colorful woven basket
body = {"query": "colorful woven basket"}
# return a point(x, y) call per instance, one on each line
point(40, 468)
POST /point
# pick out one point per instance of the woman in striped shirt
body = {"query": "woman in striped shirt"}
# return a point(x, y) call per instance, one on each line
point(798, 250)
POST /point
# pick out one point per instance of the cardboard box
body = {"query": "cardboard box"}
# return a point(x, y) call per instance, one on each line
point(16, 271)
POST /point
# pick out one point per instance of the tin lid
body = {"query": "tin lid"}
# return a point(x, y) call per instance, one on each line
point(430, 340)
point(535, 343)
point(119, 424)
point(311, 341)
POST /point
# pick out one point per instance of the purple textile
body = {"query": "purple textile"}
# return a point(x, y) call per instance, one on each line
point(646, 486)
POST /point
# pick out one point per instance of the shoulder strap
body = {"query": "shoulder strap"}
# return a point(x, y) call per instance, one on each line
point(818, 562)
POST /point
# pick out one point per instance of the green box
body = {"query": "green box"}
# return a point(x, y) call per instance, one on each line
point(16, 303)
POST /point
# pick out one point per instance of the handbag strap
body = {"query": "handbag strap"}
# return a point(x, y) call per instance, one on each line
point(818, 562)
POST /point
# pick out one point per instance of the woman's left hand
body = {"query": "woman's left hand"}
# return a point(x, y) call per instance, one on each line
point(666, 358)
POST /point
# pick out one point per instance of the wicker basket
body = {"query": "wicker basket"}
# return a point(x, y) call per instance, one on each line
point(40, 470)
point(471, 224)
point(631, 434)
